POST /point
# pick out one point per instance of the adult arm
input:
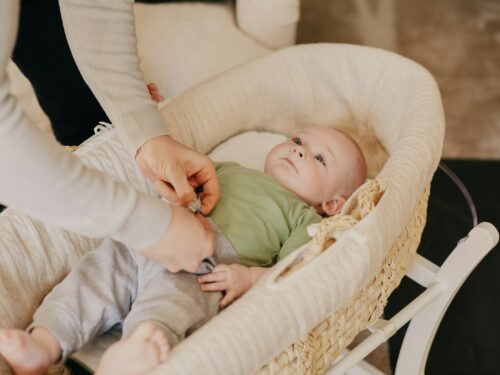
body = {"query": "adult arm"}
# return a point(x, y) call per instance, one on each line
point(101, 36)
point(40, 178)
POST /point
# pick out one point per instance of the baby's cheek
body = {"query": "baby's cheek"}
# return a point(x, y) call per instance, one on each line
point(314, 185)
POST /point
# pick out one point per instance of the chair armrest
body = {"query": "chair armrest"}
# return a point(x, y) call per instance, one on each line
point(271, 23)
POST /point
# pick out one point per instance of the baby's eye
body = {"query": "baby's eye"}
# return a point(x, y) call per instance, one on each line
point(297, 141)
point(319, 158)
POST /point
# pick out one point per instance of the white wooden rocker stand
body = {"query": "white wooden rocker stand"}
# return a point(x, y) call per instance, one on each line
point(425, 311)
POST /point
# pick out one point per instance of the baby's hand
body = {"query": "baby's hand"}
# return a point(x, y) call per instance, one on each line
point(154, 91)
point(234, 279)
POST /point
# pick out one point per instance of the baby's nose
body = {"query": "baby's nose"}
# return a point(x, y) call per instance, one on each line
point(301, 154)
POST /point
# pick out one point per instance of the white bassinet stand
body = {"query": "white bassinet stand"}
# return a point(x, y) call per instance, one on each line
point(300, 322)
point(426, 310)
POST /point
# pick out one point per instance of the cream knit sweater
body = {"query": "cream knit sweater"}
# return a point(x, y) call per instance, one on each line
point(38, 176)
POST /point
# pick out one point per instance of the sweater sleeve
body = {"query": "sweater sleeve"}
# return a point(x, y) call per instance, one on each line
point(102, 39)
point(40, 178)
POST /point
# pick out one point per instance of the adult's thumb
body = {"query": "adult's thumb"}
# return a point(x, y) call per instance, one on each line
point(184, 191)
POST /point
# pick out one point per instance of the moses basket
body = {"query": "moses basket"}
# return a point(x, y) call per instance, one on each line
point(311, 305)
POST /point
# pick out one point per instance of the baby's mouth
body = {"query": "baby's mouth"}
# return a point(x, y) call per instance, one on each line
point(290, 162)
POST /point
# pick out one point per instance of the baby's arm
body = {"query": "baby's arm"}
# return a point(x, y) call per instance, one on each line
point(234, 279)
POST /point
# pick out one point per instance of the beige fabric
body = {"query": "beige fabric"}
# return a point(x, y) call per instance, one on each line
point(184, 44)
point(272, 23)
point(384, 94)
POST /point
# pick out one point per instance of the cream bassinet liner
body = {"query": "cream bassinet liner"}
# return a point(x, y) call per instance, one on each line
point(371, 93)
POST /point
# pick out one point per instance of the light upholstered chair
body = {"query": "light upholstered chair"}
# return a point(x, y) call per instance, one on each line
point(182, 44)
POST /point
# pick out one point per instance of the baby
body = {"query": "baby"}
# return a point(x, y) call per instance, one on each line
point(259, 219)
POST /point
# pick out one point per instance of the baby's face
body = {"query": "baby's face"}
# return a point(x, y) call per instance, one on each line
point(313, 164)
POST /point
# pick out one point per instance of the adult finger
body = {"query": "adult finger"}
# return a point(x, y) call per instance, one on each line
point(152, 86)
point(211, 189)
point(205, 224)
point(166, 191)
point(184, 191)
point(193, 182)
point(156, 97)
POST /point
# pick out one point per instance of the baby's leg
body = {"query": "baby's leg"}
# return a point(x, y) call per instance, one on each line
point(168, 306)
point(147, 338)
point(174, 302)
point(95, 295)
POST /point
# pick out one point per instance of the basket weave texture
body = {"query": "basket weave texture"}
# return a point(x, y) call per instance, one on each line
point(314, 353)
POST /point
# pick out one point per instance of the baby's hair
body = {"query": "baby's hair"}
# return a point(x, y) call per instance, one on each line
point(357, 175)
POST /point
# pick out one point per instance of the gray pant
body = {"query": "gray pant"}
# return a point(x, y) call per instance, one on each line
point(115, 285)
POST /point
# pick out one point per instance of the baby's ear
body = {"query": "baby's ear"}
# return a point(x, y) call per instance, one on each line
point(333, 206)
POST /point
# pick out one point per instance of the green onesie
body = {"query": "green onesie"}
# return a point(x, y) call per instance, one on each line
point(262, 219)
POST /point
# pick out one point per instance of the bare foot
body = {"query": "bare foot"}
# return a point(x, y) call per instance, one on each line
point(146, 347)
point(26, 354)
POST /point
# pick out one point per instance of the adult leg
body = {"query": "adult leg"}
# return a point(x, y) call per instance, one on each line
point(42, 53)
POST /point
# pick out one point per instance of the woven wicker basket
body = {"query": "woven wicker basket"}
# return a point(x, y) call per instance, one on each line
point(317, 351)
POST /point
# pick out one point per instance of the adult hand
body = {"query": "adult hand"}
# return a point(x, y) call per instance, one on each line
point(188, 240)
point(176, 170)
point(154, 92)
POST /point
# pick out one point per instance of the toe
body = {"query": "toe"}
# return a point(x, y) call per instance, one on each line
point(163, 347)
point(144, 331)
point(151, 354)
point(164, 351)
point(158, 337)
point(161, 342)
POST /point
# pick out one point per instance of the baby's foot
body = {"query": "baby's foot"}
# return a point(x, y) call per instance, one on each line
point(146, 347)
point(24, 353)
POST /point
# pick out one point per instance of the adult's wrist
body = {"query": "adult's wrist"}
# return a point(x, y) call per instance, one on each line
point(141, 126)
point(148, 225)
